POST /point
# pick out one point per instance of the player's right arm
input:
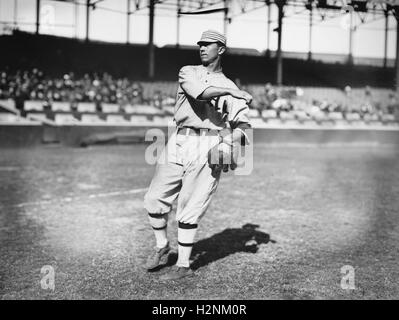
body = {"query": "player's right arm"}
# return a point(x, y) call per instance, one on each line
point(212, 92)
point(195, 88)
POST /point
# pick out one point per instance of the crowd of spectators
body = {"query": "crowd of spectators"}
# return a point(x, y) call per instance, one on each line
point(293, 99)
point(96, 88)
point(104, 88)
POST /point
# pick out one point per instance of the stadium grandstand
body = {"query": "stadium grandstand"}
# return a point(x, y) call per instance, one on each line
point(56, 81)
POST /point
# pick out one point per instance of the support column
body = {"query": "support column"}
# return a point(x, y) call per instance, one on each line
point(37, 16)
point(269, 21)
point(280, 4)
point(87, 19)
point(128, 22)
point(75, 18)
point(397, 54)
point(178, 24)
point(351, 30)
point(226, 19)
point(386, 38)
point(310, 31)
point(15, 14)
point(151, 49)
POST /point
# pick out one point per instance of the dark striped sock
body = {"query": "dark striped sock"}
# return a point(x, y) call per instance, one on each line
point(159, 224)
point(185, 236)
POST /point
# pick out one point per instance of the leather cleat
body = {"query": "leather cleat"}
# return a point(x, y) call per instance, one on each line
point(158, 258)
point(176, 273)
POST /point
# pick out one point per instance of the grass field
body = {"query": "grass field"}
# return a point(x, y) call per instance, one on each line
point(284, 232)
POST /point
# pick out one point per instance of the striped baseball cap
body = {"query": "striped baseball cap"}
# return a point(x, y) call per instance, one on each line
point(212, 36)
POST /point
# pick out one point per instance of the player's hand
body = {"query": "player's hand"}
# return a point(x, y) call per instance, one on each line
point(222, 157)
point(241, 94)
point(218, 158)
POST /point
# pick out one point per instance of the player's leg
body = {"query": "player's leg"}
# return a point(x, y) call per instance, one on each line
point(198, 188)
point(163, 190)
point(194, 198)
point(159, 198)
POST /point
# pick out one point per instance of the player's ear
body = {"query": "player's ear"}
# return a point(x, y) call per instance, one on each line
point(221, 49)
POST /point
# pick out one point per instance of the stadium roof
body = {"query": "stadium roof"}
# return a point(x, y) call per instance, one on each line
point(234, 8)
point(237, 7)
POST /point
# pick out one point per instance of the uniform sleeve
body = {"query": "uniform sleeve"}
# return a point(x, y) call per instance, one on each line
point(241, 122)
point(238, 113)
point(189, 82)
point(238, 117)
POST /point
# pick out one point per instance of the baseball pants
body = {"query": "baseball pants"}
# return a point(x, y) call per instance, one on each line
point(183, 173)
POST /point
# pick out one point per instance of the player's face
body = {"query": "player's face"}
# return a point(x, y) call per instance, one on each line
point(209, 52)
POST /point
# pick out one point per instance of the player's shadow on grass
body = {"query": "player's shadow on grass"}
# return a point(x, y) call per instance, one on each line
point(227, 242)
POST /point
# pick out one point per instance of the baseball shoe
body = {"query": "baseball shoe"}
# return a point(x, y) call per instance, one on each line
point(157, 258)
point(176, 273)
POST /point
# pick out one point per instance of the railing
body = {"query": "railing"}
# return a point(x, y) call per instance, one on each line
point(61, 113)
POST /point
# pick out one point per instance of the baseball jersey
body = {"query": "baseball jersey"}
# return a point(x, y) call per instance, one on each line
point(207, 114)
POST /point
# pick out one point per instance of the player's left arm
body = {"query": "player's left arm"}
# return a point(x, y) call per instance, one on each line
point(238, 119)
point(240, 123)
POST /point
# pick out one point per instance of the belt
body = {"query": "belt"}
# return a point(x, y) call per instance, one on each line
point(188, 131)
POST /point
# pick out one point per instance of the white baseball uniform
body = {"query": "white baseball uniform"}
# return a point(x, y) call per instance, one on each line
point(186, 175)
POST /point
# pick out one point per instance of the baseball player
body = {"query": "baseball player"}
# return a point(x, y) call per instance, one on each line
point(211, 115)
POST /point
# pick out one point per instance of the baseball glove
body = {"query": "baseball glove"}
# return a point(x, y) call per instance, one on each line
point(222, 156)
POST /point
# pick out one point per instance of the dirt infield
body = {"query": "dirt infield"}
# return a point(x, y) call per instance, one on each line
point(284, 232)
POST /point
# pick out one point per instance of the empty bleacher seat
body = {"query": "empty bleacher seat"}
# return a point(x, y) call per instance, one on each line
point(86, 107)
point(252, 113)
point(9, 103)
point(90, 118)
point(8, 117)
point(147, 109)
point(257, 122)
point(284, 115)
point(168, 109)
point(109, 107)
point(388, 118)
point(61, 106)
point(138, 119)
point(65, 119)
point(37, 116)
point(269, 114)
point(129, 108)
point(301, 115)
point(371, 117)
point(320, 116)
point(32, 105)
point(352, 117)
point(162, 119)
point(142, 109)
point(335, 116)
point(115, 118)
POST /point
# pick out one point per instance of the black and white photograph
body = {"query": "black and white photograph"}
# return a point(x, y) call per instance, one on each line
point(199, 155)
